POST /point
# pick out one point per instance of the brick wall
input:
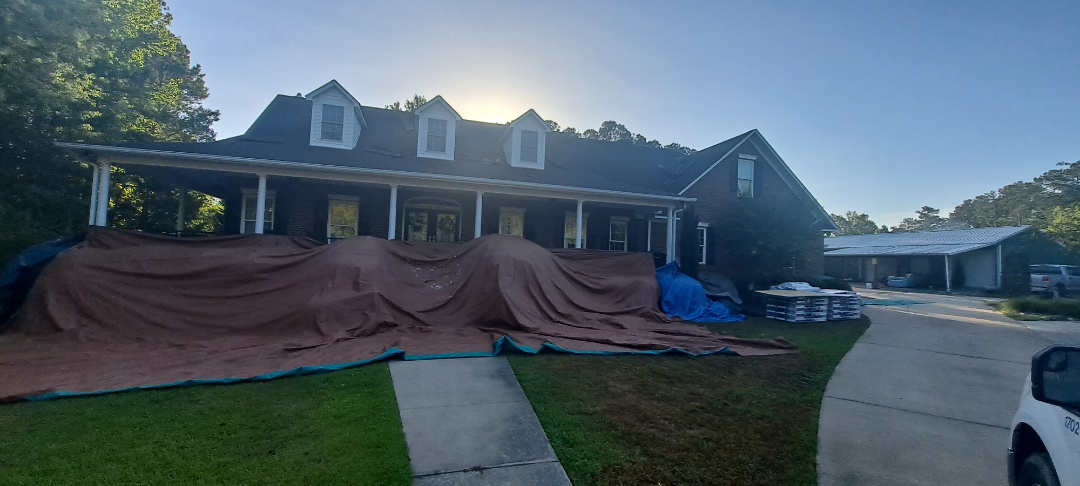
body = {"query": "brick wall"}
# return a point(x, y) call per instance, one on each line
point(717, 196)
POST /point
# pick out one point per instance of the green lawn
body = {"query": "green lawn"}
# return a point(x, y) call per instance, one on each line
point(333, 428)
point(684, 420)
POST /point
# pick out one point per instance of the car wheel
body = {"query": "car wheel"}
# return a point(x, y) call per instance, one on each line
point(1058, 292)
point(1037, 470)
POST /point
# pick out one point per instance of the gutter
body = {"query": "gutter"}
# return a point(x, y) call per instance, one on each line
point(362, 171)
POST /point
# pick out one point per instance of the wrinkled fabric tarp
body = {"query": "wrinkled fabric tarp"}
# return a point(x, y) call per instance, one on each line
point(125, 310)
point(685, 298)
point(19, 274)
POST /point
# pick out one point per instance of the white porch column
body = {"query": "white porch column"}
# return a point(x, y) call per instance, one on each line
point(392, 232)
point(260, 206)
point(577, 234)
point(478, 224)
point(93, 195)
point(999, 270)
point(948, 275)
point(103, 195)
point(180, 210)
point(669, 242)
point(648, 233)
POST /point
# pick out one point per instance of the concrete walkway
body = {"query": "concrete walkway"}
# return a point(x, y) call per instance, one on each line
point(467, 422)
point(926, 396)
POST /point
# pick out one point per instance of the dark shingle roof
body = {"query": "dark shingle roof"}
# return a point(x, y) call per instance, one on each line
point(388, 142)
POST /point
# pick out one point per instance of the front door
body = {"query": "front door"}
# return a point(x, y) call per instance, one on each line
point(431, 225)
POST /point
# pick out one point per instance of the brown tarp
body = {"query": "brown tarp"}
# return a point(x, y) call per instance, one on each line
point(124, 309)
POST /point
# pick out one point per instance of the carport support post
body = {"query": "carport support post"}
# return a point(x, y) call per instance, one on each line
point(103, 194)
point(948, 275)
point(478, 227)
point(260, 206)
point(392, 232)
point(999, 270)
point(577, 232)
point(93, 195)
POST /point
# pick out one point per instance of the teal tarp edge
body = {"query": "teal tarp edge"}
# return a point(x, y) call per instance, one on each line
point(497, 349)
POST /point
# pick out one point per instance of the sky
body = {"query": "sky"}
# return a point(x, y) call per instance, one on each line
point(878, 107)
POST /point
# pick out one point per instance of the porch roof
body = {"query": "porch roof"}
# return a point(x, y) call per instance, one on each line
point(388, 146)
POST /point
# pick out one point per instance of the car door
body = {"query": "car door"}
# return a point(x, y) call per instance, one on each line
point(1073, 276)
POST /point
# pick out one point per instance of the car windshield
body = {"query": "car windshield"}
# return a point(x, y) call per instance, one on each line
point(1041, 269)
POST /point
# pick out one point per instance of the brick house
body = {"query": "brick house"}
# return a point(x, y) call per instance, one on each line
point(326, 167)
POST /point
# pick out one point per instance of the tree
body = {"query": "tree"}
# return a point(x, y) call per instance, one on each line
point(927, 219)
point(410, 104)
point(1064, 226)
point(108, 71)
point(853, 223)
point(612, 131)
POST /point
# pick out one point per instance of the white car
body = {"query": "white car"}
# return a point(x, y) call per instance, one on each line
point(1045, 448)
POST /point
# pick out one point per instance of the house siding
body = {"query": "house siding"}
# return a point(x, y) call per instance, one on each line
point(350, 129)
point(440, 112)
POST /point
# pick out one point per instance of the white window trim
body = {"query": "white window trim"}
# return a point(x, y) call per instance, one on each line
point(584, 228)
point(703, 228)
point(330, 200)
point(626, 232)
point(245, 193)
point(521, 149)
point(751, 160)
point(445, 136)
point(507, 210)
point(322, 113)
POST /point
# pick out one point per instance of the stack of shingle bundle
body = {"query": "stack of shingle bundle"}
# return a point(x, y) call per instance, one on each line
point(796, 306)
point(844, 305)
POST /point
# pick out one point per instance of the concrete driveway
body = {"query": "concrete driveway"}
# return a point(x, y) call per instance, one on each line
point(927, 394)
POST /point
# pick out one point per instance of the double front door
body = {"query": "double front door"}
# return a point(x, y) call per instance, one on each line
point(431, 225)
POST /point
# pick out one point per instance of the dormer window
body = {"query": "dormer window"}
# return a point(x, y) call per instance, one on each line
point(524, 141)
point(530, 145)
point(437, 127)
point(436, 135)
point(336, 117)
point(333, 122)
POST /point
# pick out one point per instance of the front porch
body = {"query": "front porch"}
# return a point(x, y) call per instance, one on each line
point(329, 209)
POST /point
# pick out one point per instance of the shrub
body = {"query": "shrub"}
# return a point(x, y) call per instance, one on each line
point(1069, 308)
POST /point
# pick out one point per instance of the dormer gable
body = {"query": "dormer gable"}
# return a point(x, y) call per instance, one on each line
point(436, 133)
point(336, 118)
point(524, 141)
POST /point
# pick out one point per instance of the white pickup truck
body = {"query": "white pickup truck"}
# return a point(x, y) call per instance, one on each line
point(1045, 446)
point(1055, 280)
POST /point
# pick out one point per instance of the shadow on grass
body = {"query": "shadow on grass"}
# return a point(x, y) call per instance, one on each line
point(690, 420)
point(332, 428)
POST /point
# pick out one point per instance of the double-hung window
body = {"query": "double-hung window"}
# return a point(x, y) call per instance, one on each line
point(436, 135)
point(248, 207)
point(333, 122)
point(617, 238)
point(746, 176)
point(530, 145)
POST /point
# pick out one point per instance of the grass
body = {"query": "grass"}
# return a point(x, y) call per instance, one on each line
point(1033, 308)
point(685, 420)
point(334, 428)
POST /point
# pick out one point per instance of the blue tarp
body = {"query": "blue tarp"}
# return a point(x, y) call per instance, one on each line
point(683, 297)
point(20, 273)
